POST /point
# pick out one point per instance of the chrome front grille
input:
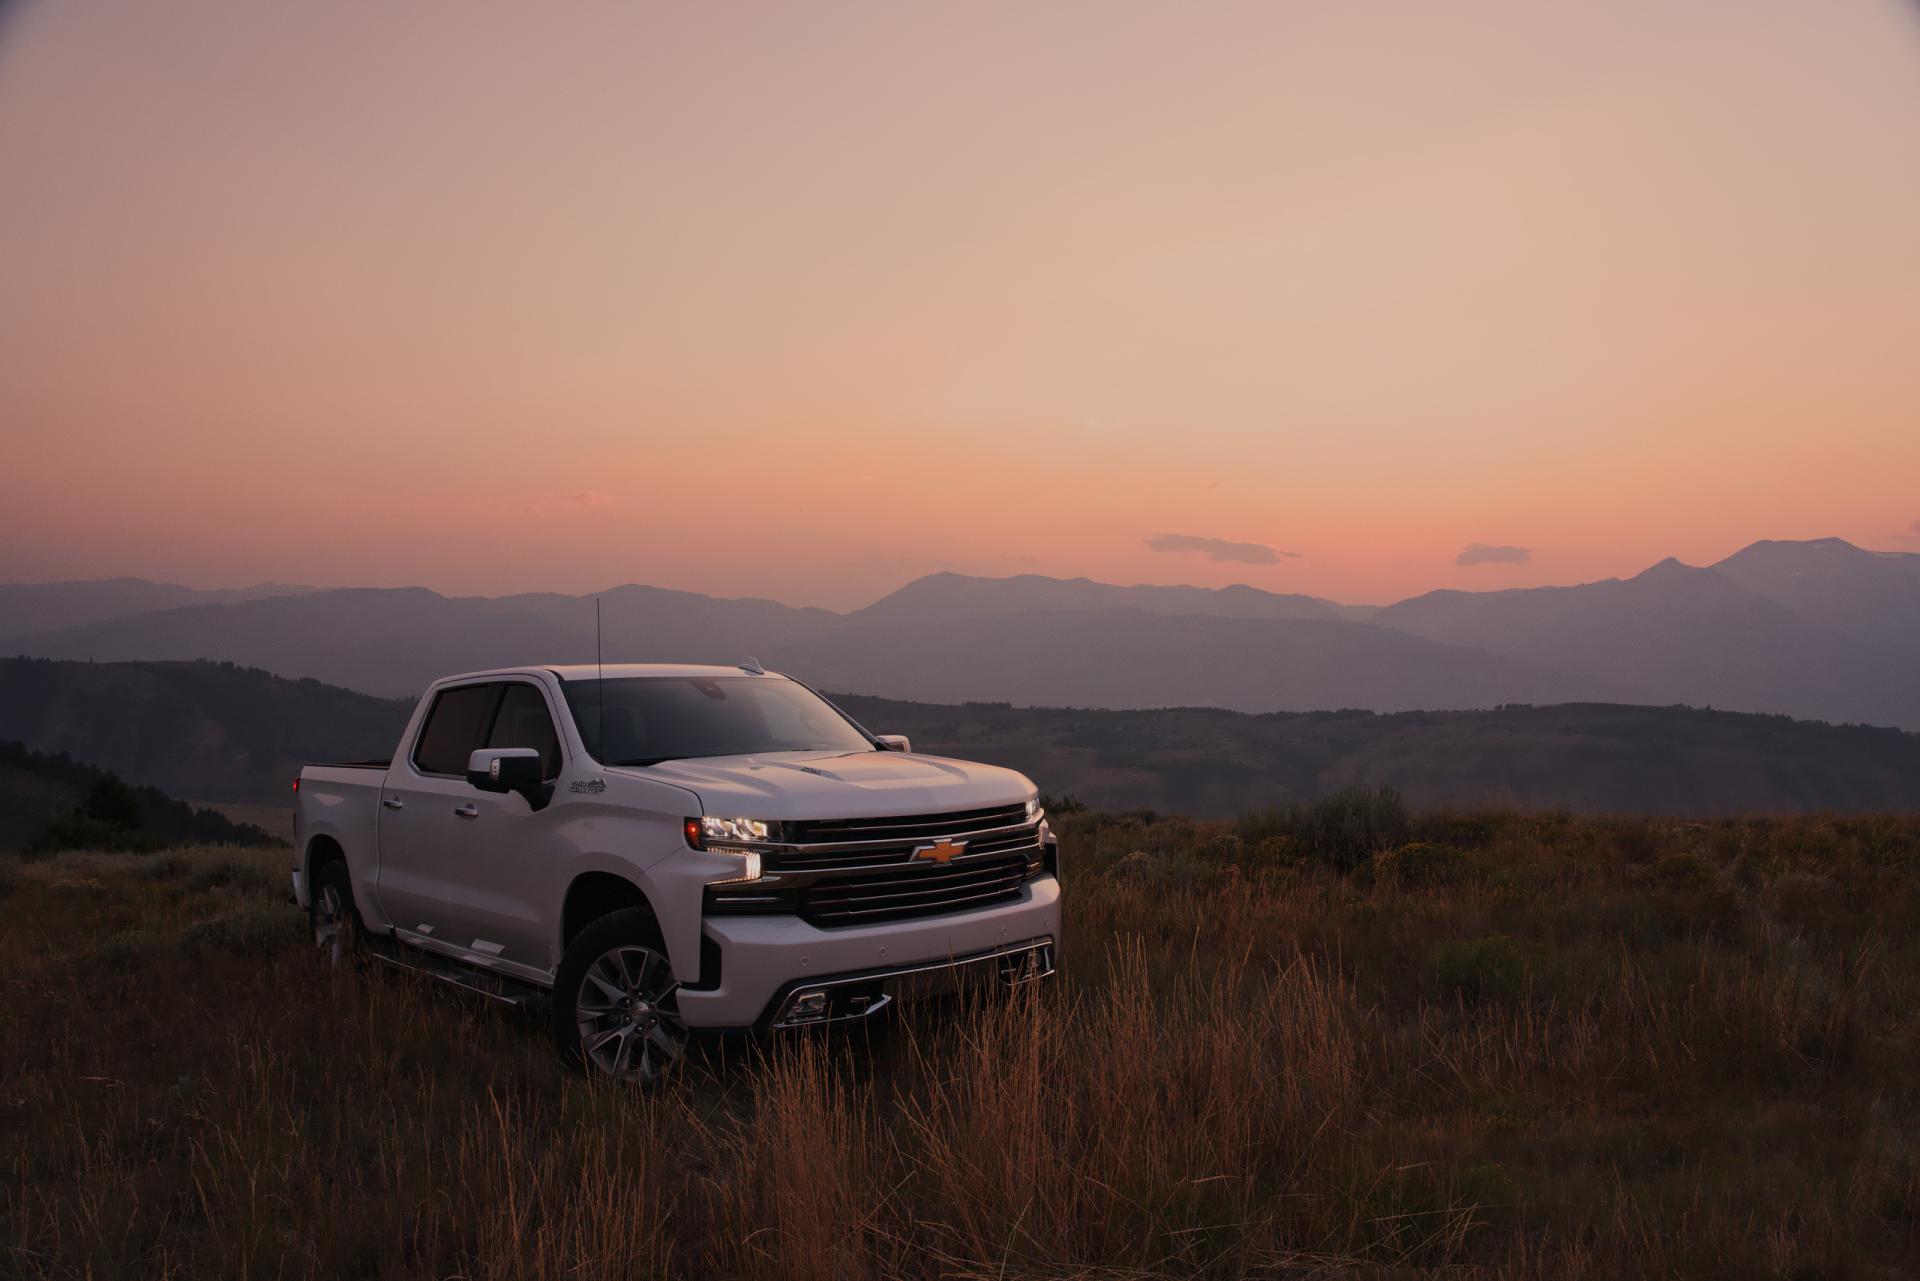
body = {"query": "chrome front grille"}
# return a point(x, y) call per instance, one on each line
point(892, 896)
point(908, 826)
point(861, 843)
point(861, 871)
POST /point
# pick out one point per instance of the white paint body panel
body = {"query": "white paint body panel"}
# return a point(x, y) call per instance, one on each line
point(489, 889)
point(765, 953)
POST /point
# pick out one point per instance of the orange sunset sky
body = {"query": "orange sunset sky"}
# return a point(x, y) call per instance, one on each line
point(803, 300)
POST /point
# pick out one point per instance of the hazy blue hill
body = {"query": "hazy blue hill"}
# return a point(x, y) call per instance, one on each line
point(1676, 633)
point(27, 608)
point(949, 596)
point(394, 641)
point(1830, 583)
point(219, 732)
point(209, 731)
point(1818, 629)
point(1601, 757)
point(1130, 658)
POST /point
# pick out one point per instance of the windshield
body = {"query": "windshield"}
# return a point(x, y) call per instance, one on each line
point(648, 719)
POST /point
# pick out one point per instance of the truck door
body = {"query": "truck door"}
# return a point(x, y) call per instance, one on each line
point(459, 870)
point(419, 837)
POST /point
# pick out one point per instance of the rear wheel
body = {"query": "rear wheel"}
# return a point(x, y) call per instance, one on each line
point(615, 1011)
point(332, 915)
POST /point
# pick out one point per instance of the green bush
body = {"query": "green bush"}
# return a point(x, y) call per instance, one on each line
point(164, 867)
point(253, 931)
point(1268, 823)
point(1420, 865)
point(132, 947)
point(232, 873)
point(1480, 969)
point(1273, 851)
point(1343, 829)
point(1808, 901)
point(112, 802)
point(1467, 831)
point(76, 831)
point(1138, 867)
point(1683, 872)
point(1221, 849)
point(107, 818)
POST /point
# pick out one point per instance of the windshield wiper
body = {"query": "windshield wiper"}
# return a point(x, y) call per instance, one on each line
point(647, 760)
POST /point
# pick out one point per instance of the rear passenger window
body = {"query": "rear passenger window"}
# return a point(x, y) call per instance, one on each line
point(523, 721)
point(453, 728)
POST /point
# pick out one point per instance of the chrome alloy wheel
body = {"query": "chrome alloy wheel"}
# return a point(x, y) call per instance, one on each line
point(332, 926)
point(628, 1018)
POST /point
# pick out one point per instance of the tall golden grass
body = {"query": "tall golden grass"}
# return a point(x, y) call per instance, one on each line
point(1535, 1046)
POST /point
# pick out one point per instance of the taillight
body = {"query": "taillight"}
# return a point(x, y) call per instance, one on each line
point(296, 782)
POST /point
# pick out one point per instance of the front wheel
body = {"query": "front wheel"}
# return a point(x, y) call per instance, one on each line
point(615, 1011)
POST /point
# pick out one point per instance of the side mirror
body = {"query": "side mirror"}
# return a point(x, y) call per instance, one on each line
point(893, 742)
point(509, 769)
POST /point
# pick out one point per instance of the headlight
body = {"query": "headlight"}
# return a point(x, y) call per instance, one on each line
point(705, 833)
point(726, 836)
point(1034, 812)
point(749, 867)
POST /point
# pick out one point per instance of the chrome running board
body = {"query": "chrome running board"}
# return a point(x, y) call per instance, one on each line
point(495, 987)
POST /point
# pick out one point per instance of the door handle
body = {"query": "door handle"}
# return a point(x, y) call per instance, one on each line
point(469, 810)
point(393, 802)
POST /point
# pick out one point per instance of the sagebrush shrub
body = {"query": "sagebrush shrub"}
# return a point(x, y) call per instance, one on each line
point(1480, 969)
point(1343, 829)
point(1420, 865)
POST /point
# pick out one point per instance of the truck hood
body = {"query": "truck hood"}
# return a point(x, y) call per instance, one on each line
point(817, 785)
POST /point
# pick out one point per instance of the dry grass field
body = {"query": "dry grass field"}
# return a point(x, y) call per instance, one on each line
point(1524, 1045)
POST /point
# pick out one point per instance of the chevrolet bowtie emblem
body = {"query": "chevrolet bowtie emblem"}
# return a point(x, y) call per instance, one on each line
point(941, 851)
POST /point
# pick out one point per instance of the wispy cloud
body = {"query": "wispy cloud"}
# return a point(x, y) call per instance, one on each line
point(1220, 549)
point(1911, 534)
point(1493, 554)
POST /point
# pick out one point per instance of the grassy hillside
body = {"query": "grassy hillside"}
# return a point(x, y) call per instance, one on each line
point(211, 731)
point(1517, 1046)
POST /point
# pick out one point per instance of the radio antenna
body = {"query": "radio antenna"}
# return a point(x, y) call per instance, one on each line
point(600, 683)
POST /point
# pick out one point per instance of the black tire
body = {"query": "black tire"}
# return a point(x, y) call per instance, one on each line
point(333, 917)
point(614, 1007)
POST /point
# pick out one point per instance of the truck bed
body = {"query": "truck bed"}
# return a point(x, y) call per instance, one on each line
point(341, 801)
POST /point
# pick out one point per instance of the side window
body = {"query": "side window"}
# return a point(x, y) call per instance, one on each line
point(453, 728)
point(523, 721)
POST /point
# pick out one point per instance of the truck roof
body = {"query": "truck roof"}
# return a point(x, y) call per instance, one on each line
point(612, 671)
point(593, 671)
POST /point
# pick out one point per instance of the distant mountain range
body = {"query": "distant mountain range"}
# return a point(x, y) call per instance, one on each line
point(1819, 629)
point(28, 608)
point(230, 734)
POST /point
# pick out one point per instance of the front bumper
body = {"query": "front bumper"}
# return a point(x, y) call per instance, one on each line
point(764, 957)
point(841, 998)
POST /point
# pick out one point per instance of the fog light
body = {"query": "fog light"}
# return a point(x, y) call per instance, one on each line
point(808, 1007)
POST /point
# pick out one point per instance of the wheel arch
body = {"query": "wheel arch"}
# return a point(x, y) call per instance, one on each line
point(592, 895)
point(320, 851)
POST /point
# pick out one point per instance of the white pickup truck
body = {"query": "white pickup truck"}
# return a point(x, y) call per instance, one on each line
point(645, 849)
